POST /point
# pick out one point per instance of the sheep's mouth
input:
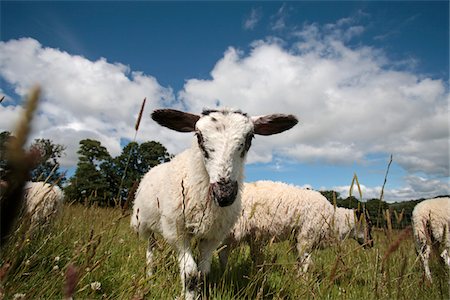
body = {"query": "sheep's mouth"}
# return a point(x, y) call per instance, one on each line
point(224, 192)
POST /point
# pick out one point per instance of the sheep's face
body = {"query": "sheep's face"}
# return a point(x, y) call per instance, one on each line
point(223, 138)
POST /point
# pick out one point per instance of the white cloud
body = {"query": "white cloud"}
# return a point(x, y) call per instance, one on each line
point(279, 19)
point(81, 98)
point(350, 102)
point(416, 187)
point(252, 20)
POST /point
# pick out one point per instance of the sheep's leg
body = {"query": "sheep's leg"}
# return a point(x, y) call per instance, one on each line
point(256, 250)
point(446, 257)
point(150, 249)
point(206, 248)
point(425, 256)
point(304, 254)
point(225, 252)
point(188, 269)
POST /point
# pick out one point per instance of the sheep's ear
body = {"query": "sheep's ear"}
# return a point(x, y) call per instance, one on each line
point(272, 124)
point(175, 119)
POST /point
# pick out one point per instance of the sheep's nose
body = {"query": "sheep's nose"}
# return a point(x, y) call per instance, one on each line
point(224, 192)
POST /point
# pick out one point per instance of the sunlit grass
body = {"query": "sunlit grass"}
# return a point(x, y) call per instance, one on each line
point(109, 260)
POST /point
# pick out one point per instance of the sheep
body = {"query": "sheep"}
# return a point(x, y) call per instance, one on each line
point(42, 200)
point(431, 222)
point(196, 196)
point(275, 211)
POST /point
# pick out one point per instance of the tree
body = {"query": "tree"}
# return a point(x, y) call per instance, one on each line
point(349, 202)
point(134, 161)
point(330, 195)
point(376, 209)
point(108, 181)
point(89, 183)
point(48, 165)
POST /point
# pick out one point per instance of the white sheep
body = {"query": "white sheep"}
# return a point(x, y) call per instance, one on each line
point(197, 194)
point(431, 222)
point(275, 211)
point(42, 200)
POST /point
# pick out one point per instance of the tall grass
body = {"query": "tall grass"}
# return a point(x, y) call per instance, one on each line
point(91, 253)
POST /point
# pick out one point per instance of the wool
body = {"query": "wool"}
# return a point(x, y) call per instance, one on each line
point(431, 223)
point(275, 212)
point(42, 200)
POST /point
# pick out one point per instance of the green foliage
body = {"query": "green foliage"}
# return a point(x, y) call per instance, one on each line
point(89, 182)
point(48, 165)
point(376, 209)
point(97, 243)
point(4, 136)
point(104, 180)
point(331, 195)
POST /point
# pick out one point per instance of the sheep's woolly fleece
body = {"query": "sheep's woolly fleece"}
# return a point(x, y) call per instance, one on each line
point(432, 217)
point(42, 200)
point(275, 209)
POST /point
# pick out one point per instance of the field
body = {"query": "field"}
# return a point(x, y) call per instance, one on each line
point(91, 253)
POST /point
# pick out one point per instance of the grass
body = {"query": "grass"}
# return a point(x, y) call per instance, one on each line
point(91, 253)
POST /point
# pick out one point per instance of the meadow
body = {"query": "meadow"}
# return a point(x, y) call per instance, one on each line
point(91, 253)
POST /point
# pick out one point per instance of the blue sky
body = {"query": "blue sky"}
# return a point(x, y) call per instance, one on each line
point(366, 79)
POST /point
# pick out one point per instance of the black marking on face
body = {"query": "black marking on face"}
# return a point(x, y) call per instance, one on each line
point(247, 144)
point(201, 144)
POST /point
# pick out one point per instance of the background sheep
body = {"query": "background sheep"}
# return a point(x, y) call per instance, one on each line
point(42, 200)
point(197, 194)
point(431, 222)
point(275, 211)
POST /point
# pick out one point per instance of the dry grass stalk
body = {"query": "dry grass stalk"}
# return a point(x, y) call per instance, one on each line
point(355, 181)
point(405, 233)
point(19, 166)
point(382, 190)
point(388, 223)
point(399, 216)
point(138, 121)
point(136, 127)
point(71, 281)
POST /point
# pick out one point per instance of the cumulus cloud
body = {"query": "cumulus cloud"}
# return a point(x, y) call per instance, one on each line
point(350, 101)
point(81, 98)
